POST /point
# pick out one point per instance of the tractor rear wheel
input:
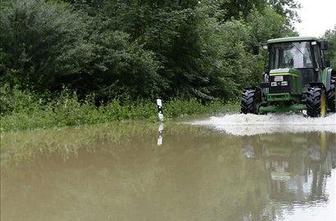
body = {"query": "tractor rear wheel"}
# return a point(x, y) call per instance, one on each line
point(331, 95)
point(249, 102)
point(316, 102)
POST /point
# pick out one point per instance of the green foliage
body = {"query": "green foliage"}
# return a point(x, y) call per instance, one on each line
point(117, 68)
point(266, 25)
point(23, 110)
point(287, 9)
point(35, 36)
point(232, 9)
point(131, 51)
point(14, 100)
point(331, 53)
point(47, 45)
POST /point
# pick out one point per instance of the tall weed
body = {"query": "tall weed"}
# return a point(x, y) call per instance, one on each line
point(24, 110)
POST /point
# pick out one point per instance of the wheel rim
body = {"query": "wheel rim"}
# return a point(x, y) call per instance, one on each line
point(323, 105)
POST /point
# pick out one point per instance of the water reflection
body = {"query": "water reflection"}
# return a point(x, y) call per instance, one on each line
point(198, 175)
point(296, 171)
point(160, 136)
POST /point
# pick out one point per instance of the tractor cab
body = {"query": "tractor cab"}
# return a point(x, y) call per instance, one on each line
point(303, 56)
point(296, 78)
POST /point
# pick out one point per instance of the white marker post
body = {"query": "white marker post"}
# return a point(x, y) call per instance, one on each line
point(160, 111)
point(160, 115)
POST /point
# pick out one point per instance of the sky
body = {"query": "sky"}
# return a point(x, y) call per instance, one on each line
point(317, 16)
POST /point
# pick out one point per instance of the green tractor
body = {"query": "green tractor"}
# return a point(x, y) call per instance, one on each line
point(296, 79)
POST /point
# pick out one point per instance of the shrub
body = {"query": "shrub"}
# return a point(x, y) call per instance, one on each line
point(25, 111)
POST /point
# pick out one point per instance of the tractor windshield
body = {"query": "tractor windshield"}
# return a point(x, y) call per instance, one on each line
point(291, 55)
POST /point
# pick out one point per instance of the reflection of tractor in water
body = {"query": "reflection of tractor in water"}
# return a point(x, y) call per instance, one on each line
point(296, 167)
point(296, 78)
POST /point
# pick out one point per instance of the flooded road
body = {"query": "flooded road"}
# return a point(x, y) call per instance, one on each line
point(182, 172)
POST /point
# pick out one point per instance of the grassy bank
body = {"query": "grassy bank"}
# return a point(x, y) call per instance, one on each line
point(26, 111)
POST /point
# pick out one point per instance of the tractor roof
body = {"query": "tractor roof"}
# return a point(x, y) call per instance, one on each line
point(291, 39)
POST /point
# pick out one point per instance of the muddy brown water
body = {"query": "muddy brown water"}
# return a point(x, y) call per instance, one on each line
point(133, 172)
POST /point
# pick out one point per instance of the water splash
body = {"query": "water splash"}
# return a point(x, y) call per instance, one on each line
point(248, 125)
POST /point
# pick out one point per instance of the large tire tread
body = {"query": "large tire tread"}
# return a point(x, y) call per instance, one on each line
point(249, 102)
point(313, 102)
point(331, 95)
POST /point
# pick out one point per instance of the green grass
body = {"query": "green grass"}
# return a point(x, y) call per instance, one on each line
point(22, 111)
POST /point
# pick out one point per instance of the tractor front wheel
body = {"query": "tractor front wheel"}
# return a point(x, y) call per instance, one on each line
point(331, 95)
point(316, 102)
point(249, 102)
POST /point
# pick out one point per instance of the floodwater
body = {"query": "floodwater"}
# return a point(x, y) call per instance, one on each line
point(215, 169)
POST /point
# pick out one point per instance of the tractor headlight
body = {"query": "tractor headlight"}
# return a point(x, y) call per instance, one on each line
point(274, 84)
point(284, 83)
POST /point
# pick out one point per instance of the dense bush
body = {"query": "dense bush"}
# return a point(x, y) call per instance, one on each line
point(37, 39)
point(24, 110)
point(45, 46)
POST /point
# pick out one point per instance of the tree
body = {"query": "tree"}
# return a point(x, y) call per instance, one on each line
point(138, 49)
point(46, 46)
point(35, 38)
point(287, 9)
point(330, 36)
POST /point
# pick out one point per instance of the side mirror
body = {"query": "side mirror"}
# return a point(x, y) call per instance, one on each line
point(324, 45)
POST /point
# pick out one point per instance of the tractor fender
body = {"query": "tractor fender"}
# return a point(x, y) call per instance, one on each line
point(325, 79)
point(330, 74)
